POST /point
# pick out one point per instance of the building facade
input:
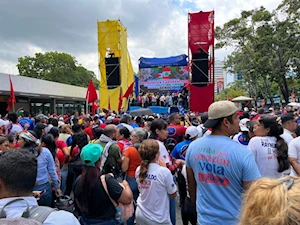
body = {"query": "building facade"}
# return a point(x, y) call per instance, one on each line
point(41, 96)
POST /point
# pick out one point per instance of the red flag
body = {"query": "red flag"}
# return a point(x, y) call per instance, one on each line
point(95, 106)
point(129, 91)
point(12, 99)
point(120, 101)
point(91, 93)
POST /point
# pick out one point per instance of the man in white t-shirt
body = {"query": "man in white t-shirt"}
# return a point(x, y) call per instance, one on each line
point(289, 124)
point(294, 156)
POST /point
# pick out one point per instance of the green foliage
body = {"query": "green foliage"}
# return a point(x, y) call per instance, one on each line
point(234, 90)
point(266, 46)
point(57, 67)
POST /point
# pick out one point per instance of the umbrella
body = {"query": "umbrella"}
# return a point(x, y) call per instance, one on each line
point(141, 112)
point(294, 104)
point(241, 99)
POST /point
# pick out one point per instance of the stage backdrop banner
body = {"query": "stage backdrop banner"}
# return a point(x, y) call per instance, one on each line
point(171, 78)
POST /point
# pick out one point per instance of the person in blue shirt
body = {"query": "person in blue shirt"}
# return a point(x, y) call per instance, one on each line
point(179, 151)
point(46, 167)
point(25, 119)
point(219, 169)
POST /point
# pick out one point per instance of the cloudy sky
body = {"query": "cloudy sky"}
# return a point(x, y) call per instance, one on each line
point(156, 28)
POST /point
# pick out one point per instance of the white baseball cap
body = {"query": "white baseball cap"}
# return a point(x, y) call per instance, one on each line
point(192, 131)
point(243, 124)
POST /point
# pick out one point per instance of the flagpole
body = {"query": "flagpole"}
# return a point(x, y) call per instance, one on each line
point(87, 104)
point(13, 107)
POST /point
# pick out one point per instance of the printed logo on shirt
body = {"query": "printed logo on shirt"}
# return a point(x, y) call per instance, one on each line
point(241, 140)
point(171, 131)
point(213, 167)
point(147, 182)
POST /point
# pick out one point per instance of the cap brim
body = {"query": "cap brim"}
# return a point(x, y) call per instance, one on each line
point(210, 123)
point(244, 129)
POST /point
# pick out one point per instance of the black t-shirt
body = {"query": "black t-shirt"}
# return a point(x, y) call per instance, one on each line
point(100, 206)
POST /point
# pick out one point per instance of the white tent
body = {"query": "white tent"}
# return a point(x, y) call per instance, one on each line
point(241, 99)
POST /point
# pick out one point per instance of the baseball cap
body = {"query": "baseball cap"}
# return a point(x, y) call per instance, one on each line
point(219, 110)
point(287, 117)
point(110, 118)
point(192, 131)
point(243, 124)
point(90, 154)
point(271, 109)
point(40, 117)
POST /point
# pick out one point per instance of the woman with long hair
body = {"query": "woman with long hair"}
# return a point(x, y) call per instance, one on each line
point(160, 133)
point(46, 166)
point(90, 196)
point(269, 149)
point(47, 141)
point(272, 202)
point(155, 184)
point(131, 161)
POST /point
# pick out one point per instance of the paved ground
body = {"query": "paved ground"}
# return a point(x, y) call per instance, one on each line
point(178, 212)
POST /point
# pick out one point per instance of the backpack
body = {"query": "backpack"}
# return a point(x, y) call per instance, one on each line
point(127, 210)
point(34, 216)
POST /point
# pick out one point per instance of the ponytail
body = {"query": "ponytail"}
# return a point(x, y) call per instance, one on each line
point(143, 170)
point(282, 154)
point(148, 150)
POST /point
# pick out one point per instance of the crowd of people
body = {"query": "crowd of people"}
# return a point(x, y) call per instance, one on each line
point(225, 166)
point(161, 99)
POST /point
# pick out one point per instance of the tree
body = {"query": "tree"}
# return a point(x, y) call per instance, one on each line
point(234, 90)
point(266, 47)
point(57, 67)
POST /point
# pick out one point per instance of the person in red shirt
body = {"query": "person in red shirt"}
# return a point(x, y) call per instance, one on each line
point(176, 130)
point(88, 127)
point(261, 111)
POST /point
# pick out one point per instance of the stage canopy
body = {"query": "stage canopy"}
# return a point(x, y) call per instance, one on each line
point(179, 60)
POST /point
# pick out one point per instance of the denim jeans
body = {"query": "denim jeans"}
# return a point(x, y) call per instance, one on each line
point(110, 221)
point(64, 176)
point(135, 192)
point(46, 199)
point(173, 207)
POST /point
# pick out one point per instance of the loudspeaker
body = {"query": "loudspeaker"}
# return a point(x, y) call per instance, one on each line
point(113, 78)
point(200, 69)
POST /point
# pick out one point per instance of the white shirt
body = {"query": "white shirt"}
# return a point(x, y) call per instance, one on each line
point(16, 209)
point(294, 152)
point(153, 200)
point(162, 98)
point(163, 152)
point(264, 151)
point(287, 136)
point(15, 129)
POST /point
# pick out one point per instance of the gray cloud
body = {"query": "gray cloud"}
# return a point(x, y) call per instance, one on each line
point(155, 27)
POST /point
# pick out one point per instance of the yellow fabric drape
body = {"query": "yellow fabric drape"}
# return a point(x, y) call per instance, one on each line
point(112, 35)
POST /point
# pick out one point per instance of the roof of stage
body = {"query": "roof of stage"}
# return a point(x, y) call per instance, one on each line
point(179, 60)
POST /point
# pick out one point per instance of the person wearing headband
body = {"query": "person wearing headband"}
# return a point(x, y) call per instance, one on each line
point(46, 167)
